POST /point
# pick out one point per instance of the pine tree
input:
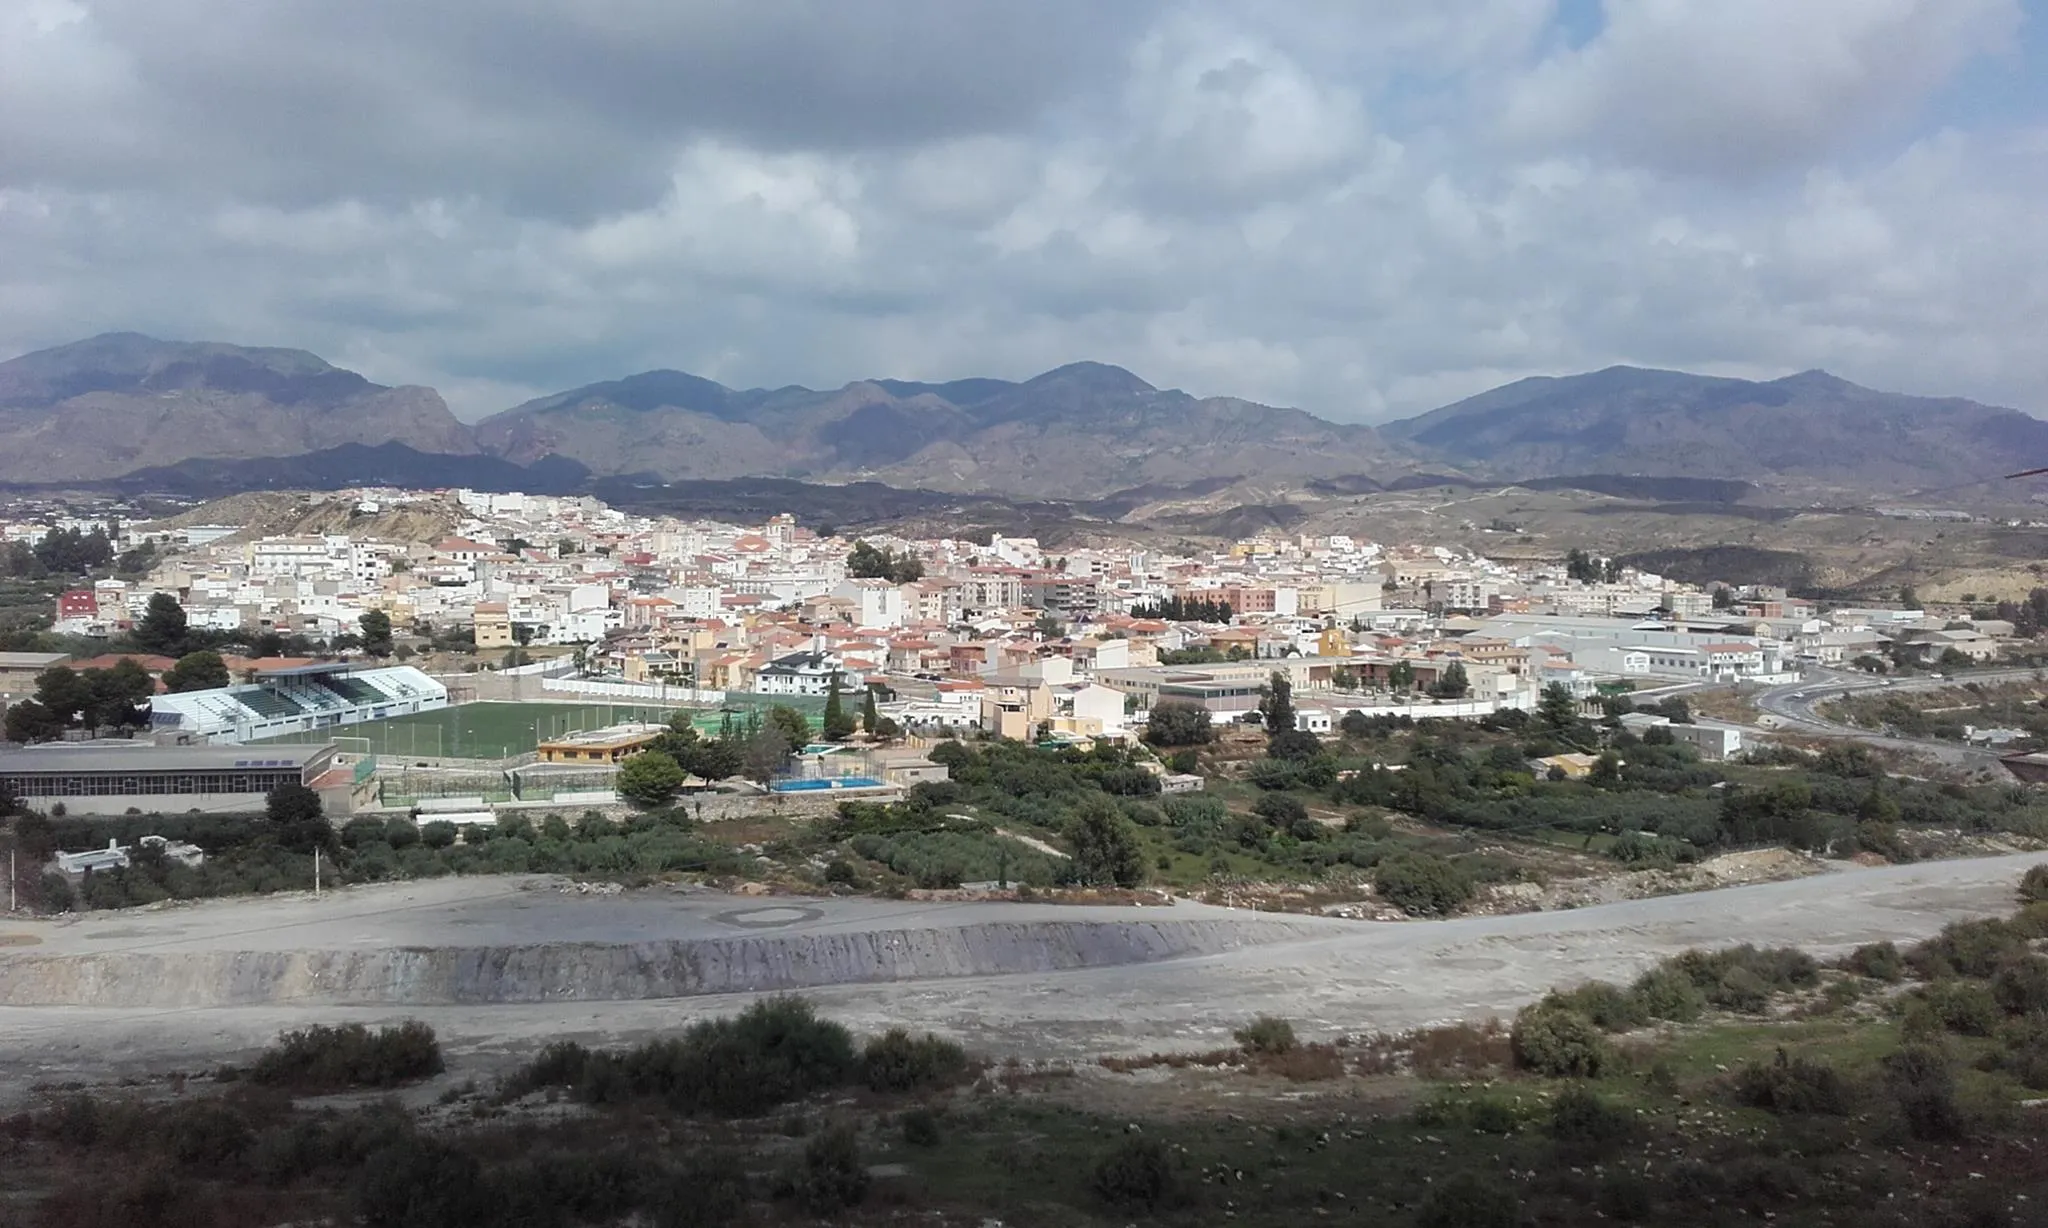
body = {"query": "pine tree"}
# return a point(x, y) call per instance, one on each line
point(838, 726)
point(869, 716)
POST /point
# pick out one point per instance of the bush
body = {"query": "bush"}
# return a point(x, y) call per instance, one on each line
point(1880, 961)
point(1470, 1201)
point(1744, 978)
point(1611, 1008)
point(897, 1062)
point(1579, 1116)
point(1267, 1035)
point(1966, 948)
point(775, 1051)
point(1282, 810)
point(1175, 722)
point(2034, 885)
point(703, 1195)
point(1966, 1008)
point(833, 1178)
point(1136, 1174)
point(1923, 1087)
point(1422, 884)
point(1792, 1085)
point(921, 1127)
point(560, 1063)
point(425, 1183)
point(1552, 1039)
point(206, 1134)
point(2024, 1052)
point(321, 1058)
point(2020, 986)
point(1484, 1114)
point(1666, 993)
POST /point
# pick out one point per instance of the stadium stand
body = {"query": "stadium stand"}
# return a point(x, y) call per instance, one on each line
point(297, 700)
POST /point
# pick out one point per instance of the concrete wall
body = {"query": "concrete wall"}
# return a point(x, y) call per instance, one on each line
point(155, 803)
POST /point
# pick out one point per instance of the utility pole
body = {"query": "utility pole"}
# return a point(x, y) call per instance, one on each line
point(316, 871)
point(10, 880)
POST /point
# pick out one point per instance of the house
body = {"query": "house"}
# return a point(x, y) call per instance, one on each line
point(492, 621)
point(18, 670)
point(801, 673)
point(1014, 706)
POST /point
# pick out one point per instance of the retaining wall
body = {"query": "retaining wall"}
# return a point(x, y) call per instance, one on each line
point(558, 972)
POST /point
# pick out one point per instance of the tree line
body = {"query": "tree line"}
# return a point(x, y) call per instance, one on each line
point(1185, 610)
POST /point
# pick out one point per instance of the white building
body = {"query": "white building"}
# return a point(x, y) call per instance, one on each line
point(801, 673)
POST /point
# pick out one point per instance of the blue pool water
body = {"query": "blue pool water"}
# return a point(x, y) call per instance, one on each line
point(834, 782)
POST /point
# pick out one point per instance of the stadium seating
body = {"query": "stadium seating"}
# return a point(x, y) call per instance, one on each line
point(269, 704)
point(354, 690)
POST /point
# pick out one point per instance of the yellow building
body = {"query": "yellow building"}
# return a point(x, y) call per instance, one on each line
point(599, 745)
point(493, 622)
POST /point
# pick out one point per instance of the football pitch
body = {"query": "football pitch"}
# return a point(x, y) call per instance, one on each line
point(498, 730)
point(480, 730)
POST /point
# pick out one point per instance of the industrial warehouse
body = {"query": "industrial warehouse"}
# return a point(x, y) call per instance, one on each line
point(112, 777)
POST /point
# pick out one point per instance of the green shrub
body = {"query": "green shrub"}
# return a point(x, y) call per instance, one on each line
point(1666, 993)
point(1484, 1114)
point(1966, 1008)
point(1551, 1039)
point(775, 1051)
point(1470, 1201)
point(425, 1183)
point(1966, 948)
point(1744, 978)
point(1579, 1116)
point(2034, 884)
point(1136, 1174)
point(705, 1194)
point(321, 1058)
point(1880, 961)
point(1923, 1089)
point(1792, 1085)
point(560, 1063)
point(206, 1134)
point(2021, 985)
point(833, 1178)
point(921, 1127)
point(1422, 884)
point(1268, 1035)
point(1610, 1007)
point(2023, 1052)
point(895, 1061)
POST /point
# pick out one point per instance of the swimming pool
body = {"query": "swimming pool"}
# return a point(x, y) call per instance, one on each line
point(826, 782)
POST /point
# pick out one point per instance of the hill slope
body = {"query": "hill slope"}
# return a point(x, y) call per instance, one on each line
point(1075, 432)
point(122, 401)
point(1811, 426)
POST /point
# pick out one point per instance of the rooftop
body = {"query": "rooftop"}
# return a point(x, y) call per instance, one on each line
point(145, 757)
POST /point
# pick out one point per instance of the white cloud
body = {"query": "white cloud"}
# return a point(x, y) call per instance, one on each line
point(1314, 203)
point(1741, 86)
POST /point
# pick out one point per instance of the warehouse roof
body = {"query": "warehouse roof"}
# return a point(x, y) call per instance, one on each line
point(144, 757)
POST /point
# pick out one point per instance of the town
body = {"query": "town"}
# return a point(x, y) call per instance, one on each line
point(576, 613)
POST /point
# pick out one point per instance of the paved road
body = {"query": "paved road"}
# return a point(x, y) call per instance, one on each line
point(1794, 705)
point(1330, 977)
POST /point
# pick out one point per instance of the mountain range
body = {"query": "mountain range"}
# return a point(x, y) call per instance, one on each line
point(121, 403)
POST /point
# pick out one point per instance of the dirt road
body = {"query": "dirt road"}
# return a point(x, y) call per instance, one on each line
point(1066, 982)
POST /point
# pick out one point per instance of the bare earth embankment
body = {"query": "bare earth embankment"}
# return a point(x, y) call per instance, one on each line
point(500, 966)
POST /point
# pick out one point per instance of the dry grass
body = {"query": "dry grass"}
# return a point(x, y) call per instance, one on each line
point(1459, 1048)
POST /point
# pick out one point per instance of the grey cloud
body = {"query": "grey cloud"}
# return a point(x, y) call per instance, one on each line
point(553, 106)
point(1739, 87)
point(1238, 200)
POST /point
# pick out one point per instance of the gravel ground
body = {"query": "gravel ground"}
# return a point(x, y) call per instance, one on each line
point(1099, 992)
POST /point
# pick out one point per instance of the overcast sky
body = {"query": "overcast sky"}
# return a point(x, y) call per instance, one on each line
point(1363, 208)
